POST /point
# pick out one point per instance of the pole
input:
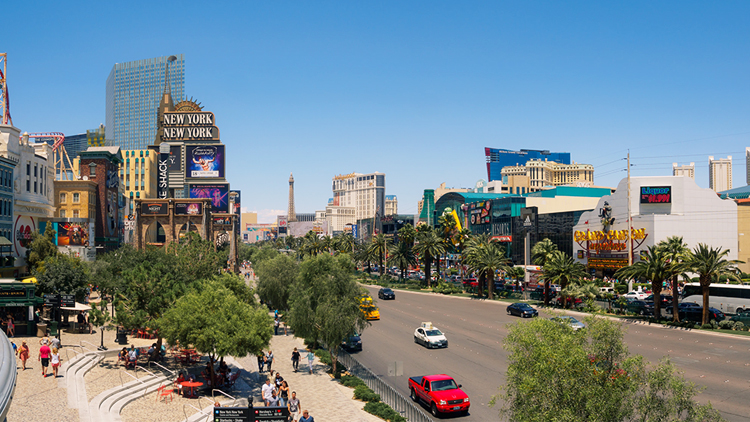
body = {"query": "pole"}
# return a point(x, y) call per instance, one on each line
point(630, 239)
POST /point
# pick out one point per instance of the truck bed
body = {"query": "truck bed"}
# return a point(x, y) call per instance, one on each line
point(417, 380)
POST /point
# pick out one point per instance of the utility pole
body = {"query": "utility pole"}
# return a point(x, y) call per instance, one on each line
point(630, 238)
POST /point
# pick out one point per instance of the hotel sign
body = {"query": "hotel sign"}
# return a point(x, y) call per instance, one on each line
point(613, 240)
point(190, 126)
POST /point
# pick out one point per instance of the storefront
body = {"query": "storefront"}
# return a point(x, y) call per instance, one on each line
point(18, 300)
point(660, 207)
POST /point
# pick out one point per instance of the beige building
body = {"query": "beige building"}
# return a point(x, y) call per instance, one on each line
point(537, 175)
point(391, 205)
point(720, 173)
point(75, 199)
point(364, 192)
point(248, 218)
point(743, 234)
point(684, 170)
point(339, 217)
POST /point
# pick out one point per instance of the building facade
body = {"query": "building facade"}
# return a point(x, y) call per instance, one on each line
point(133, 93)
point(339, 218)
point(75, 199)
point(499, 158)
point(684, 170)
point(102, 165)
point(391, 205)
point(720, 173)
point(138, 176)
point(364, 192)
point(7, 168)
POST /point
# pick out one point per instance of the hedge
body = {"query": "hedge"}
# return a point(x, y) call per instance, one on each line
point(384, 411)
point(364, 393)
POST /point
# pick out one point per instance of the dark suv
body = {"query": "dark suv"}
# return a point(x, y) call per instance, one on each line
point(696, 314)
point(385, 293)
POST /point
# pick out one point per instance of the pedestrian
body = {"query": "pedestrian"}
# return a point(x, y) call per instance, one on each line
point(55, 361)
point(81, 321)
point(266, 390)
point(55, 342)
point(310, 359)
point(295, 359)
point(261, 362)
point(294, 407)
point(283, 393)
point(23, 353)
point(276, 326)
point(10, 327)
point(306, 417)
point(269, 360)
point(44, 353)
point(274, 399)
point(278, 379)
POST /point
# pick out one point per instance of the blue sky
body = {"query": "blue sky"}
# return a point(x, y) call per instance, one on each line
point(412, 89)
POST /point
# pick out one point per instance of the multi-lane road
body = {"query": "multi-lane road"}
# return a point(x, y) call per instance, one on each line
point(475, 356)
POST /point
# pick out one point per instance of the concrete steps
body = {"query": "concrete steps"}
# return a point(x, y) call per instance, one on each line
point(106, 407)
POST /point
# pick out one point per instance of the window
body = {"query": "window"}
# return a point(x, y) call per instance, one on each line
point(75, 213)
point(62, 213)
point(63, 198)
point(28, 169)
point(36, 168)
point(35, 187)
point(76, 197)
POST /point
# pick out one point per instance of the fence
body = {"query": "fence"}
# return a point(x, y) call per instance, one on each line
point(403, 405)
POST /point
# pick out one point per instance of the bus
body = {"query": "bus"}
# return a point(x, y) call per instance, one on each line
point(728, 298)
point(370, 310)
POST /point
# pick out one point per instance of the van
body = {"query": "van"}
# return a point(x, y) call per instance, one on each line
point(605, 290)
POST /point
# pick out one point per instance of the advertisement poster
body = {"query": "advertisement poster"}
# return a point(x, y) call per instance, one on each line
point(73, 234)
point(188, 208)
point(175, 158)
point(237, 202)
point(23, 229)
point(204, 161)
point(218, 194)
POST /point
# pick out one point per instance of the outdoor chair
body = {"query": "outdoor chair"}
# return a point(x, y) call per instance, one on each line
point(164, 392)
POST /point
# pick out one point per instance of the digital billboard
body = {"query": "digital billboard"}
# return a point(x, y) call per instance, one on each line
point(188, 208)
point(656, 194)
point(204, 161)
point(217, 193)
point(175, 158)
point(237, 202)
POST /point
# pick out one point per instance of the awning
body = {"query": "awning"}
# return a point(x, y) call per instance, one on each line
point(78, 307)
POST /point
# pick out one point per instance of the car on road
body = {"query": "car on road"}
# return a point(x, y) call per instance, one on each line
point(641, 307)
point(666, 300)
point(429, 336)
point(742, 316)
point(681, 306)
point(635, 295)
point(353, 343)
point(440, 393)
point(695, 314)
point(522, 309)
point(368, 307)
point(385, 293)
point(569, 321)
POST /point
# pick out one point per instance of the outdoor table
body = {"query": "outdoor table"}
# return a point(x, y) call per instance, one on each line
point(189, 387)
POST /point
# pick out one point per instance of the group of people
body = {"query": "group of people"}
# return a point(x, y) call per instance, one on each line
point(49, 353)
point(277, 393)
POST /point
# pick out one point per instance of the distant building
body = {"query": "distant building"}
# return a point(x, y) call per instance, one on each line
point(133, 93)
point(391, 205)
point(339, 217)
point(364, 192)
point(684, 170)
point(434, 196)
point(499, 158)
point(720, 173)
point(138, 175)
point(536, 175)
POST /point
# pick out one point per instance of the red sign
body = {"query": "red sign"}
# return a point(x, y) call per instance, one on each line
point(503, 238)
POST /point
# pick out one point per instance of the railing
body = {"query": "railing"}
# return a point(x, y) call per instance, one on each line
point(84, 341)
point(199, 410)
point(143, 369)
point(213, 395)
point(67, 355)
point(404, 406)
point(8, 373)
point(120, 372)
point(161, 366)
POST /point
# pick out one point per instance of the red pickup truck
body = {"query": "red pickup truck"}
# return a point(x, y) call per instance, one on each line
point(440, 393)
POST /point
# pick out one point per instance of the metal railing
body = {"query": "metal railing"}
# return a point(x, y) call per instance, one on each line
point(84, 341)
point(171, 372)
point(208, 415)
point(403, 405)
point(213, 395)
point(143, 369)
point(120, 372)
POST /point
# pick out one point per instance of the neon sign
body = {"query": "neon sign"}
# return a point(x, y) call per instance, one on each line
point(656, 194)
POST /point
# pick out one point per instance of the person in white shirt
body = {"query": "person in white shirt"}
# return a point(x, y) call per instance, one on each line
point(268, 390)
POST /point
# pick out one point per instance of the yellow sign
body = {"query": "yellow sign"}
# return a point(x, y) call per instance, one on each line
point(598, 235)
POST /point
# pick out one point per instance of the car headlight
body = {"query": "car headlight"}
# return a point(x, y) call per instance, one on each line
point(466, 399)
point(443, 402)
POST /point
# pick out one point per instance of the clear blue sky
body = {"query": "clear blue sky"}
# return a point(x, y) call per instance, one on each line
point(412, 89)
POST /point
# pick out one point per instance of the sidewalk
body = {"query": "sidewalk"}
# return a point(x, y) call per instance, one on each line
point(322, 396)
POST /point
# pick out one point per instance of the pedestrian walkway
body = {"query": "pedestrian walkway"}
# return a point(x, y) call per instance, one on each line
point(321, 395)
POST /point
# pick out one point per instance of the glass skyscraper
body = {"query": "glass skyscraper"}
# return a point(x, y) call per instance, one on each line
point(133, 94)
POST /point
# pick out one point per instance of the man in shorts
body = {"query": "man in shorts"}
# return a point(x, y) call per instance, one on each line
point(44, 353)
point(294, 407)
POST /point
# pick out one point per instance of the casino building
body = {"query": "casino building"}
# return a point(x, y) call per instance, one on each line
point(660, 207)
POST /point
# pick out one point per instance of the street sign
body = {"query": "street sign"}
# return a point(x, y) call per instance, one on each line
point(233, 414)
point(271, 413)
point(51, 300)
point(68, 301)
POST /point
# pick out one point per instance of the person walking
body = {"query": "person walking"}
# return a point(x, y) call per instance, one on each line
point(295, 359)
point(274, 399)
point(306, 417)
point(310, 359)
point(44, 353)
point(294, 407)
point(283, 393)
point(81, 321)
point(261, 362)
point(269, 360)
point(23, 353)
point(55, 361)
point(11, 328)
point(267, 389)
point(276, 324)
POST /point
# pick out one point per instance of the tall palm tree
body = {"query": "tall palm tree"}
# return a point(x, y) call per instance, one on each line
point(486, 257)
point(407, 234)
point(428, 246)
point(345, 243)
point(402, 256)
point(460, 240)
point(379, 248)
point(709, 264)
point(655, 266)
point(676, 251)
point(326, 243)
point(540, 253)
point(562, 269)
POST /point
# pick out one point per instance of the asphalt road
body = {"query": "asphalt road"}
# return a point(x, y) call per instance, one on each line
point(475, 356)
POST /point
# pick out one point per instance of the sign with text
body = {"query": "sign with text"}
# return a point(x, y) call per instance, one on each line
point(162, 179)
point(204, 161)
point(271, 413)
point(175, 158)
point(233, 414)
point(224, 221)
point(656, 194)
point(15, 294)
point(159, 208)
point(51, 300)
point(188, 208)
point(192, 118)
point(191, 133)
point(67, 301)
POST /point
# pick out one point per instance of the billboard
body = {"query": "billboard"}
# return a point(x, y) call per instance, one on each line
point(158, 208)
point(73, 234)
point(217, 193)
point(188, 208)
point(237, 202)
point(175, 158)
point(204, 161)
point(162, 184)
point(23, 229)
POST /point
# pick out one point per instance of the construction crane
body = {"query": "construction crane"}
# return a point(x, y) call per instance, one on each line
point(4, 101)
point(59, 154)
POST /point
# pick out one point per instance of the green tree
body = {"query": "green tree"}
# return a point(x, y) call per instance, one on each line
point(710, 264)
point(217, 323)
point(429, 245)
point(325, 302)
point(276, 277)
point(516, 273)
point(41, 247)
point(560, 268)
point(197, 257)
point(676, 252)
point(557, 374)
point(540, 253)
point(486, 257)
point(62, 274)
point(344, 243)
point(402, 256)
point(407, 234)
point(655, 266)
point(99, 316)
point(379, 248)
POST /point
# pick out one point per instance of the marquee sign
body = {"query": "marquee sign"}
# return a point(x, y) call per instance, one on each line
point(480, 212)
point(159, 208)
point(204, 161)
point(656, 194)
point(611, 241)
point(189, 126)
point(188, 208)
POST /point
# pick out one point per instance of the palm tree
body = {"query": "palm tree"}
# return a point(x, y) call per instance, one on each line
point(379, 248)
point(460, 240)
point(407, 234)
point(486, 257)
point(344, 243)
point(675, 250)
point(429, 245)
point(402, 256)
point(709, 264)
point(562, 269)
point(540, 253)
point(327, 244)
point(655, 266)
point(516, 273)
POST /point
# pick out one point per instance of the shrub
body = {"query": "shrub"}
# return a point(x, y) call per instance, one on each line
point(707, 326)
point(446, 289)
point(726, 325)
point(739, 326)
point(324, 356)
point(384, 411)
point(714, 324)
point(351, 381)
point(364, 393)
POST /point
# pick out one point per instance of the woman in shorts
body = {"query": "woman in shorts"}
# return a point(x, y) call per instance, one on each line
point(55, 361)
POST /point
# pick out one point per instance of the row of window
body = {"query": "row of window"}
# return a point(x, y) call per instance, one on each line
point(6, 234)
point(39, 178)
point(6, 208)
point(6, 178)
point(76, 196)
point(64, 214)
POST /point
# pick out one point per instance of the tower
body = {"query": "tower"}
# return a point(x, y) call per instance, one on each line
point(291, 214)
point(720, 173)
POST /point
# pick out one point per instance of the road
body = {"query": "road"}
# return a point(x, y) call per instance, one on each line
point(475, 356)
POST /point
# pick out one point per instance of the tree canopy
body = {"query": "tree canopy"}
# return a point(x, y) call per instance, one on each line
point(276, 276)
point(62, 274)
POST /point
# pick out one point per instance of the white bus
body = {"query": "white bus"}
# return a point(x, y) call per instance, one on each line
point(728, 298)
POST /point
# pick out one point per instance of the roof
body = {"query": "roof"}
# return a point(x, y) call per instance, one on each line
point(736, 193)
point(586, 192)
point(471, 196)
point(111, 150)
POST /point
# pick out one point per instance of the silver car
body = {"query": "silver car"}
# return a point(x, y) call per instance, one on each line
point(570, 321)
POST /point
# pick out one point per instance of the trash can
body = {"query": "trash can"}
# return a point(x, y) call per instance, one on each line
point(122, 336)
point(41, 330)
point(53, 329)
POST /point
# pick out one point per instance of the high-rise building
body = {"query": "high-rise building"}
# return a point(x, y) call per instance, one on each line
point(536, 175)
point(499, 158)
point(134, 90)
point(364, 192)
point(684, 170)
point(720, 173)
point(391, 205)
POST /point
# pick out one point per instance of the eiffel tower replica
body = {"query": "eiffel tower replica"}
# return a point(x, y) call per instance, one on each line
point(291, 214)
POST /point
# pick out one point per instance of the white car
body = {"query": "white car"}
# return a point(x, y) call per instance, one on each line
point(635, 295)
point(429, 336)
